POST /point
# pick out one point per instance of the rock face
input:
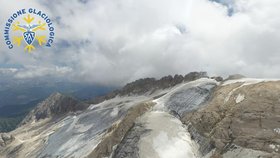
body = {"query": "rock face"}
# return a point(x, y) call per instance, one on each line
point(189, 99)
point(55, 105)
point(118, 131)
point(235, 76)
point(241, 115)
point(150, 84)
point(129, 145)
point(218, 78)
point(195, 75)
point(142, 86)
point(5, 139)
point(171, 117)
point(157, 133)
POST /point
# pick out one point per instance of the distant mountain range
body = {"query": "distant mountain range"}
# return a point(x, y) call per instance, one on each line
point(191, 116)
point(18, 98)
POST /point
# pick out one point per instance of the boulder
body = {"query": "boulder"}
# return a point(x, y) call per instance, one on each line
point(6, 139)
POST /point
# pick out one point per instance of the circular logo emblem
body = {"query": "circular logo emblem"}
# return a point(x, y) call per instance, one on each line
point(29, 28)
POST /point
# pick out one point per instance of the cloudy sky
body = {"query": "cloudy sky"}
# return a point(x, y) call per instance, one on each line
point(116, 41)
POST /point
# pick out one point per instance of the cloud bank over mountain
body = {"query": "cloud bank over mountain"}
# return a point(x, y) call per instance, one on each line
point(113, 42)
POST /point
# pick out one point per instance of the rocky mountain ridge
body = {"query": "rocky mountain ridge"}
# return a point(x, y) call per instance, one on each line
point(193, 116)
point(142, 86)
point(241, 115)
point(54, 106)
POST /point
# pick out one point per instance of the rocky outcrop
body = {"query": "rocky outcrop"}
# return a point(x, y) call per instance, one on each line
point(205, 144)
point(150, 85)
point(218, 78)
point(5, 139)
point(142, 86)
point(195, 75)
point(55, 105)
point(235, 76)
point(128, 147)
point(231, 118)
point(116, 133)
point(245, 115)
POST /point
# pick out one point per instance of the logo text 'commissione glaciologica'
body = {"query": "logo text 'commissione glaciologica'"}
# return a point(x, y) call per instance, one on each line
point(35, 28)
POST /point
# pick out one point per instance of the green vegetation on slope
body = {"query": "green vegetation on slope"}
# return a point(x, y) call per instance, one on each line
point(9, 124)
point(12, 115)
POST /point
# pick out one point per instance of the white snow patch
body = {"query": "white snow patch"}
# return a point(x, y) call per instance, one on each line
point(248, 81)
point(230, 93)
point(34, 121)
point(245, 82)
point(239, 98)
point(128, 101)
point(277, 130)
point(78, 148)
point(272, 146)
point(115, 112)
point(75, 119)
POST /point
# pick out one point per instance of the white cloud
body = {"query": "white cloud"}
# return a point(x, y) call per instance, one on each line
point(35, 71)
point(8, 71)
point(113, 42)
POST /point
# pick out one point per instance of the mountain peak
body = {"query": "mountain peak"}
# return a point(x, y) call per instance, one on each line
point(235, 76)
point(55, 105)
point(56, 94)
